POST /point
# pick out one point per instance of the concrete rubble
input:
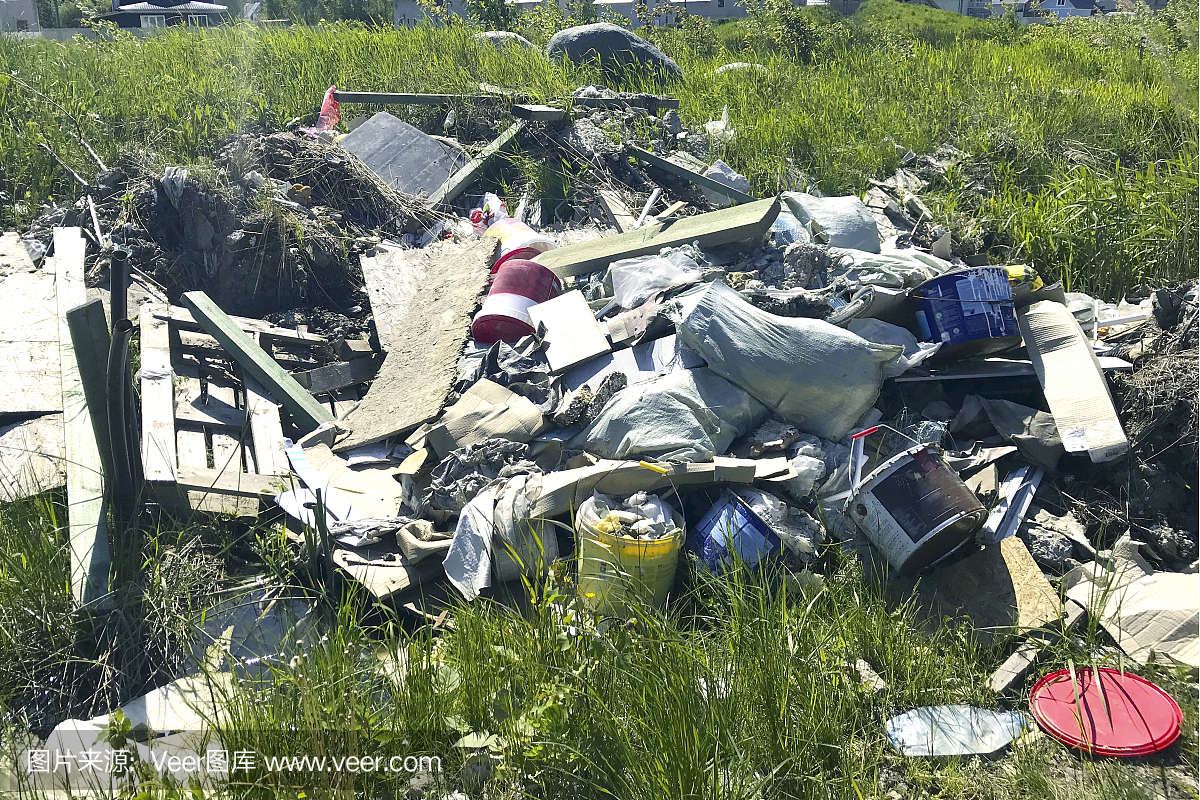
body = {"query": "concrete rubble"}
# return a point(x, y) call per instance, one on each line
point(785, 361)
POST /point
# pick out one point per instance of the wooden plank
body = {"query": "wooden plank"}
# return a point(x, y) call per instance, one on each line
point(158, 396)
point(183, 318)
point(307, 412)
point(28, 335)
point(733, 224)
point(571, 332)
point(265, 430)
point(86, 514)
point(694, 177)
point(192, 446)
point(340, 375)
point(90, 339)
point(226, 443)
point(407, 99)
point(616, 209)
point(422, 301)
point(1017, 665)
point(457, 183)
point(350, 349)
point(31, 457)
point(667, 212)
point(537, 113)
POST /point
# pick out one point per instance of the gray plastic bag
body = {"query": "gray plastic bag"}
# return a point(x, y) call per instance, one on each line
point(836, 221)
point(811, 373)
point(685, 416)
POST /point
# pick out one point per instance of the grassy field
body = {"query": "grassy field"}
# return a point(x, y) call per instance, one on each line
point(1083, 160)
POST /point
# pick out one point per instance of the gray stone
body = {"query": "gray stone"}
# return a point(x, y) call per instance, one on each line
point(1050, 549)
point(503, 39)
point(616, 49)
point(585, 138)
point(670, 123)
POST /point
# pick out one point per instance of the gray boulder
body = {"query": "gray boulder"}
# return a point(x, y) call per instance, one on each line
point(503, 38)
point(616, 48)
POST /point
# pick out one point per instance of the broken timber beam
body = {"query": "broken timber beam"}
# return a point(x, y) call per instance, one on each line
point(536, 113)
point(457, 183)
point(694, 177)
point(406, 99)
point(304, 408)
point(340, 375)
point(86, 514)
point(159, 453)
point(183, 319)
point(733, 224)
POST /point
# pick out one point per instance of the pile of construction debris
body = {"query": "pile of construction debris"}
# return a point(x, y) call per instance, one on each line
point(663, 364)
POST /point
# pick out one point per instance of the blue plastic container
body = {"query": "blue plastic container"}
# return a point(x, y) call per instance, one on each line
point(731, 531)
point(969, 310)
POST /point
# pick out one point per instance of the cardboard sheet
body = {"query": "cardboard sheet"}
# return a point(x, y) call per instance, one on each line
point(1143, 610)
point(571, 332)
point(1073, 382)
point(486, 410)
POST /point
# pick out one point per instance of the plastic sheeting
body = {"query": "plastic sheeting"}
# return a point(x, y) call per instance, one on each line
point(685, 416)
point(895, 269)
point(880, 332)
point(636, 280)
point(836, 221)
point(811, 373)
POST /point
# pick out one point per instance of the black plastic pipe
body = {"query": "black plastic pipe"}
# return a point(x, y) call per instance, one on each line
point(123, 485)
point(118, 286)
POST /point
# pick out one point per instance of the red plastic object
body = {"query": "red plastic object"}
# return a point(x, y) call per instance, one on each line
point(516, 287)
point(1134, 717)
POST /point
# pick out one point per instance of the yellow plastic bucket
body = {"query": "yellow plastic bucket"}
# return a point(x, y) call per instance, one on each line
point(613, 570)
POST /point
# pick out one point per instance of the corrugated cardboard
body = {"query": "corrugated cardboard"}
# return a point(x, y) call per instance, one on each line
point(1072, 381)
point(485, 411)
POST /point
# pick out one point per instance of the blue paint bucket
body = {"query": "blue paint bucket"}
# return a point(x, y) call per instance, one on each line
point(970, 311)
point(730, 532)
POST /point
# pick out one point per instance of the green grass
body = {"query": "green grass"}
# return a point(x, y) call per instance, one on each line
point(1082, 136)
point(1082, 160)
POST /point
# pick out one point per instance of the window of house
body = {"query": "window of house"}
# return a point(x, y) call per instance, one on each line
point(154, 21)
point(720, 3)
point(22, 25)
point(198, 19)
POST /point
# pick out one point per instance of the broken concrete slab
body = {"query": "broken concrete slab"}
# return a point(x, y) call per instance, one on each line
point(1072, 381)
point(735, 224)
point(402, 156)
point(423, 301)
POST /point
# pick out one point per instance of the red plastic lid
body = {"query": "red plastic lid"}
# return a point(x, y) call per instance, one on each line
point(1120, 715)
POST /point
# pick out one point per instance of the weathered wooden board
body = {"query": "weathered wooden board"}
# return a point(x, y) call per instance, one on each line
point(457, 183)
point(31, 457)
point(159, 459)
point(305, 410)
point(423, 301)
point(266, 432)
point(28, 334)
point(616, 209)
point(733, 224)
point(86, 513)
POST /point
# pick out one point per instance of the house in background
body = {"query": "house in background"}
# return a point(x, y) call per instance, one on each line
point(19, 16)
point(1030, 12)
point(161, 13)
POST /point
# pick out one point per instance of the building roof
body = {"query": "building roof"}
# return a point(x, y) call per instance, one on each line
point(194, 6)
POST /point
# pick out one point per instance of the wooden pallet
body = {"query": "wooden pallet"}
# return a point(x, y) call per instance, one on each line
point(212, 438)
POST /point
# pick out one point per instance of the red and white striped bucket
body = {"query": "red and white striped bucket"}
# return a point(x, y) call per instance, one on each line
point(517, 286)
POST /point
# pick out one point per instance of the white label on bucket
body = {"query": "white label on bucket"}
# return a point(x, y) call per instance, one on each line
point(509, 305)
